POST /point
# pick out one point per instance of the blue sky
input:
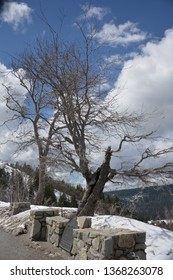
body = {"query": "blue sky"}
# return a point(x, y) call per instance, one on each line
point(151, 16)
point(137, 36)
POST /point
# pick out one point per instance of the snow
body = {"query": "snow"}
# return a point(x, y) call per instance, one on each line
point(6, 167)
point(159, 241)
point(4, 204)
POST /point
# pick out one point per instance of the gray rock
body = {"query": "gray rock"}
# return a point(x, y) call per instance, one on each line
point(96, 243)
point(126, 241)
point(92, 254)
point(84, 222)
point(107, 248)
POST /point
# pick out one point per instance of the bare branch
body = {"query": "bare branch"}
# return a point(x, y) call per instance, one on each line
point(149, 154)
point(131, 139)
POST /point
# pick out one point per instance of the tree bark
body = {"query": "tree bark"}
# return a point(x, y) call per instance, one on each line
point(95, 187)
point(39, 198)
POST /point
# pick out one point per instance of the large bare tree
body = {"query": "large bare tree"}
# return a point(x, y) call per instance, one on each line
point(76, 75)
point(72, 115)
point(32, 113)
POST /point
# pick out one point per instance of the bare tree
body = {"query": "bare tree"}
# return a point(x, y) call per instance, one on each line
point(32, 112)
point(76, 75)
point(17, 189)
point(67, 99)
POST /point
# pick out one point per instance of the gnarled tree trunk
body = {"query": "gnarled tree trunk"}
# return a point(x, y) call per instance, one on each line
point(95, 187)
point(39, 198)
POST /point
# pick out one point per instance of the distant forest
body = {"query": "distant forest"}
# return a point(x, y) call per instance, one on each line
point(20, 182)
point(149, 203)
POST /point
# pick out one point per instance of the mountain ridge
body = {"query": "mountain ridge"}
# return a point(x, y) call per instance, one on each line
point(152, 202)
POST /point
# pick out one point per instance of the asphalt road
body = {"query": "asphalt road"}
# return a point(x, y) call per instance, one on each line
point(21, 248)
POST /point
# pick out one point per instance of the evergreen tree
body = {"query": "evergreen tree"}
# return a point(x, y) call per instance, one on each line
point(73, 202)
point(50, 197)
point(63, 201)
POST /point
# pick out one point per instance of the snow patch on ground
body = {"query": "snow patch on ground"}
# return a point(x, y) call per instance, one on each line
point(159, 241)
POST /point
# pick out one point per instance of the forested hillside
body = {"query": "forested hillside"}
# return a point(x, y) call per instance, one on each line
point(20, 182)
point(155, 202)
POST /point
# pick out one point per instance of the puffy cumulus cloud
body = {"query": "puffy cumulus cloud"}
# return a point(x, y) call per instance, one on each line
point(8, 129)
point(16, 14)
point(122, 34)
point(6, 78)
point(93, 12)
point(6, 147)
point(146, 83)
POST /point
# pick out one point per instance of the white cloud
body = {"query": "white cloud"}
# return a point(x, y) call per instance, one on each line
point(123, 34)
point(114, 59)
point(16, 14)
point(7, 129)
point(146, 81)
point(93, 12)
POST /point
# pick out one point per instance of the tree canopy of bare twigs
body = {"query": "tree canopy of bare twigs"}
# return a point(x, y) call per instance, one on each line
point(69, 114)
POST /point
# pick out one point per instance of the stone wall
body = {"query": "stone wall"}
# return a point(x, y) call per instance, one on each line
point(55, 228)
point(17, 207)
point(88, 243)
point(38, 222)
point(118, 244)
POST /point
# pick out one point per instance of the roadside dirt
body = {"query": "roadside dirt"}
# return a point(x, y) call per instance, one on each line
point(21, 247)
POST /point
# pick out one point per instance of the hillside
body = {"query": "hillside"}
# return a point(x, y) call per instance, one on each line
point(155, 202)
point(20, 182)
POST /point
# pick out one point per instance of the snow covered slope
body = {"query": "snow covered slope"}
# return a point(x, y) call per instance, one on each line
point(159, 241)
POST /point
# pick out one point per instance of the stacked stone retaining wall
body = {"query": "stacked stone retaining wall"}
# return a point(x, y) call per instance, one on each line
point(38, 222)
point(88, 243)
point(55, 228)
point(118, 244)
